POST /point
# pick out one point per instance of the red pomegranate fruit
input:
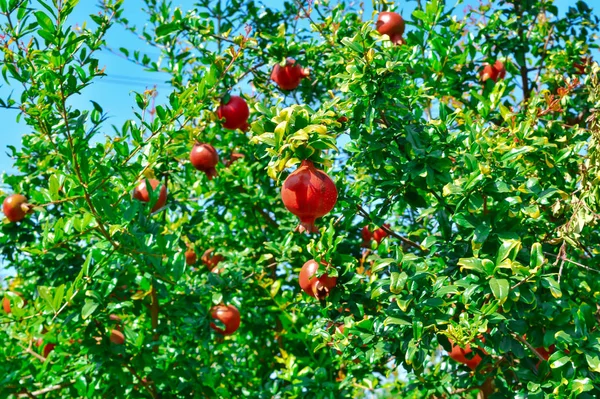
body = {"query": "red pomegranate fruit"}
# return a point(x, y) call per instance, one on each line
point(15, 207)
point(317, 287)
point(494, 72)
point(309, 194)
point(204, 157)
point(211, 260)
point(463, 355)
point(48, 348)
point(235, 112)
point(190, 257)
point(6, 305)
point(235, 156)
point(288, 77)
point(546, 352)
point(117, 337)
point(391, 24)
point(380, 233)
point(228, 315)
point(367, 236)
point(141, 193)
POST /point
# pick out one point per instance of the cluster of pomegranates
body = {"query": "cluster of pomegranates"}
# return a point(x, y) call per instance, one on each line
point(378, 235)
point(465, 355)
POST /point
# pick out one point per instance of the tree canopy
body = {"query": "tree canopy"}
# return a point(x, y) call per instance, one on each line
point(444, 164)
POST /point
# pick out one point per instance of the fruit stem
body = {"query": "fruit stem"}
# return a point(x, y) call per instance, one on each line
point(307, 226)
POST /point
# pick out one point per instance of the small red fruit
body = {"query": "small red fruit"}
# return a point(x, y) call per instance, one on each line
point(367, 236)
point(309, 194)
point(380, 233)
point(117, 337)
point(317, 287)
point(391, 24)
point(235, 156)
point(204, 157)
point(141, 194)
point(190, 257)
point(460, 355)
point(228, 315)
point(235, 112)
point(493, 72)
point(546, 352)
point(48, 348)
point(6, 305)
point(288, 77)
point(15, 207)
point(211, 261)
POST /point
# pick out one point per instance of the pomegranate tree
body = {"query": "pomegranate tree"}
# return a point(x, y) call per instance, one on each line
point(391, 24)
point(228, 315)
point(15, 207)
point(317, 287)
point(309, 194)
point(204, 157)
point(288, 77)
point(235, 112)
point(141, 193)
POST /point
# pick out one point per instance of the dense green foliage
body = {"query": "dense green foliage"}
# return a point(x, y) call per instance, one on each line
point(490, 190)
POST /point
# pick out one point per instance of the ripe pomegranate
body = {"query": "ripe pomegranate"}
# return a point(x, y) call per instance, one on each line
point(190, 257)
point(391, 24)
point(288, 77)
point(235, 112)
point(546, 352)
point(141, 194)
point(317, 287)
point(367, 236)
point(15, 207)
point(117, 337)
point(380, 233)
point(211, 261)
point(48, 348)
point(493, 72)
point(6, 305)
point(235, 156)
point(228, 315)
point(204, 157)
point(309, 194)
point(460, 355)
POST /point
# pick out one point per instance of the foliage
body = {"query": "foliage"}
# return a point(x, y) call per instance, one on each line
point(490, 189)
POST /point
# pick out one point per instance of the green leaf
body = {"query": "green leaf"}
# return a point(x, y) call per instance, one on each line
point(396, 321)
point(88, 308)
point(44, 21)
point(165, 29)
point(46, 295)
point(509, 249)
point(537, 256)
point(500, 288)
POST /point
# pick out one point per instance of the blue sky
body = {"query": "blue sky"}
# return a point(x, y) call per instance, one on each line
point(114, 92)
